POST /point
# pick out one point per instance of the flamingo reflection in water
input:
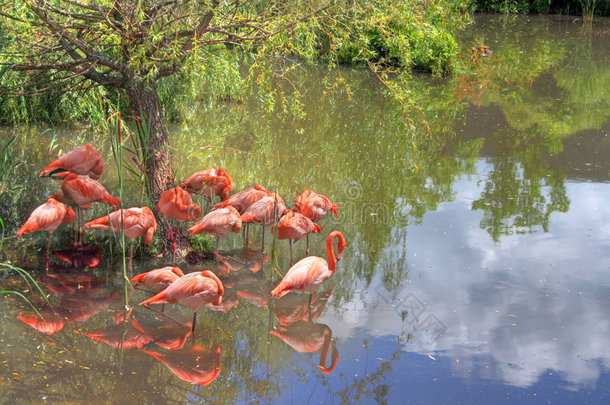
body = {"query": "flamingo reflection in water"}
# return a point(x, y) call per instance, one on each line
point(193, 364)
point(240, 260)
point(257, 295)
point(229, 301)
point(71, 309)
point(51, 321)
point(128, 335)
point(65, 282)
point(80, 257)
point(297, 307)
point(309, 337)
point(168, 335)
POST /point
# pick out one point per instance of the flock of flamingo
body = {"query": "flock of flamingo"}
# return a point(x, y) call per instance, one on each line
point(78, 171)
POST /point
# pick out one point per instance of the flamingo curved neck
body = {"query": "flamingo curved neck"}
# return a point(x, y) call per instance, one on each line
point(330, 252)
point(324, 354)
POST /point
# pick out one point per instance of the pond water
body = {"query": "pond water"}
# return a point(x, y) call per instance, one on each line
point(477, 267)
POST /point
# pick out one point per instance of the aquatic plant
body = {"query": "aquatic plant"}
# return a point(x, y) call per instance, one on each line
point(7, 166)
point(588, 9)
point(116, 142)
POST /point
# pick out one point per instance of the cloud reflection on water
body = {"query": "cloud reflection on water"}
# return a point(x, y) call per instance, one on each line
point(524, 306)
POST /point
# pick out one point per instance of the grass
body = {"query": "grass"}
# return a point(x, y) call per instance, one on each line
point(116, 152)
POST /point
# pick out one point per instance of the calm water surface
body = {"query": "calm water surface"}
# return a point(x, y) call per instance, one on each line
point(478, 260)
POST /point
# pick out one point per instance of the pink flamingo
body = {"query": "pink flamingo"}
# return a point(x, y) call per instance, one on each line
point(133, 221)
point(218, 181)
point(293, 226)
point(82, 160)
point(218, 223)
point(177, 204)
point(81, 191)
point(308, 273)
point(314, 206)
point(263, 212)
point(158, 279)
point(193, 290)
point(244, 199)
point(47, 217)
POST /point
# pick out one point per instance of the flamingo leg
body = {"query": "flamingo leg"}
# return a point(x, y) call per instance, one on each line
point(217, 243)
point(309, 307)
point(174, 243)
point(131, 259)
point(164, 314)
point(291, 261)
point(263, 239)
point(80, 225)
point(307, 250)
point(247, 233)
point(201, 201)
point(194, 321)
point(47, 253)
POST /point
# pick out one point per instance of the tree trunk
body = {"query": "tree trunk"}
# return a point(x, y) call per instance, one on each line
point(155, 151)
point(148, 113)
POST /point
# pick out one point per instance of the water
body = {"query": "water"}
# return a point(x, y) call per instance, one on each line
point(478, 250)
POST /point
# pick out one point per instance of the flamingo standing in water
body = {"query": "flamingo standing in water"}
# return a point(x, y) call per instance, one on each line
point(47, 217)
point(314, 206)
point(82, 160)
point(81, 191)
point(177, 204)
point(158, 279)
point(293, 226)
point(193, 290)
point(263, 212)
point(242, 200)
point(308, 273)
point(245, 198)
point(135, 222)
point(208, 183)
point(218, 223)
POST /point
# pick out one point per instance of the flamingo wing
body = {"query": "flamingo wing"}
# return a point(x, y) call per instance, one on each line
point(47, 217)
point(82, 160)
point(306, 275)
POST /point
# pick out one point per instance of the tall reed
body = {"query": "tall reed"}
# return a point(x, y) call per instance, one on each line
point(140, 154)
point(588, 10)
point(116, 142)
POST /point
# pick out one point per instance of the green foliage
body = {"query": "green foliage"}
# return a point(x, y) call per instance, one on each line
point(203, 243)
point(384, 35)
point(408, 34)
point(7, 167)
